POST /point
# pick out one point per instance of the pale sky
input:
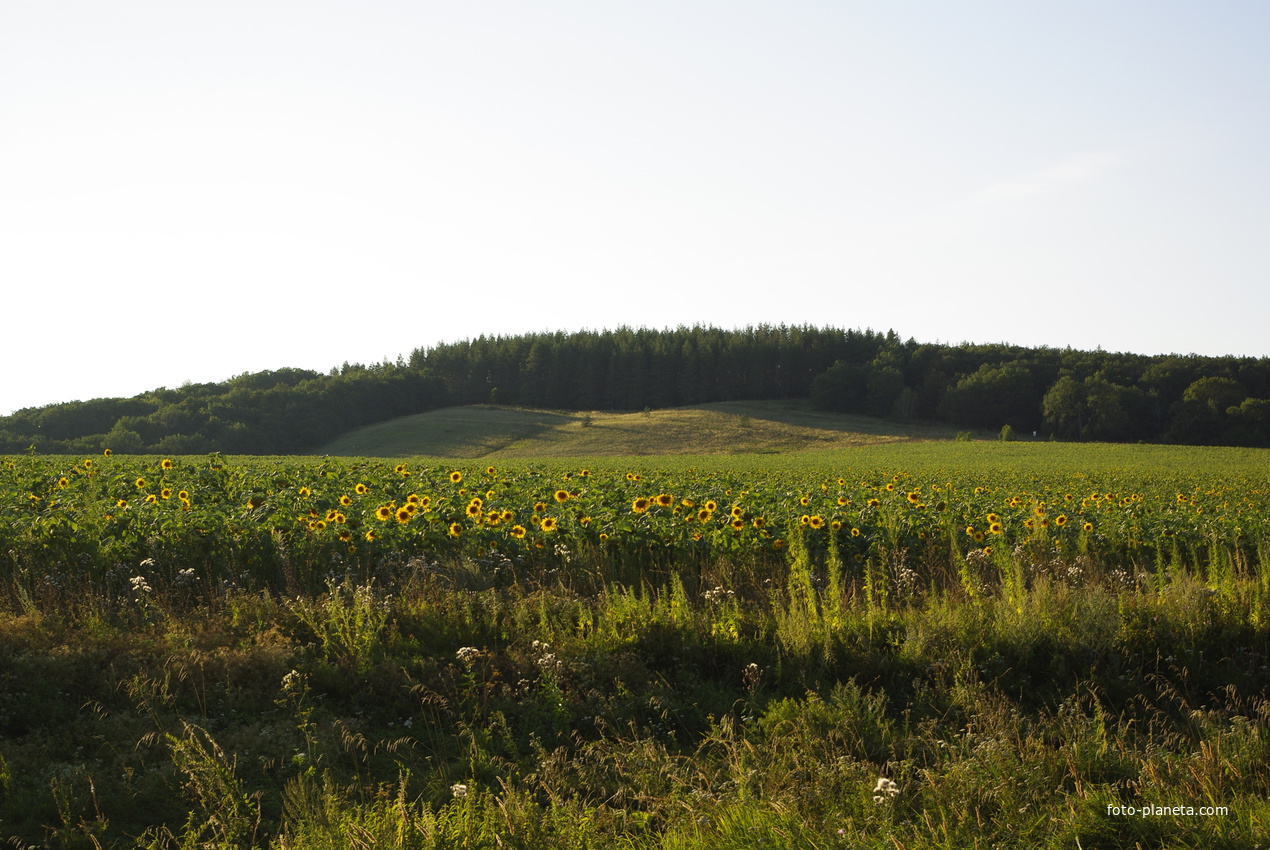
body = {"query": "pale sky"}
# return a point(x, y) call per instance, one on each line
point(193, 190)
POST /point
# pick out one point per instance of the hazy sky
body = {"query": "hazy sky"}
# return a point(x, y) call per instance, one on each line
point(192, 190)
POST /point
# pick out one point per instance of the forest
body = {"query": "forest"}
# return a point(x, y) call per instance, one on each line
point(1063, 394)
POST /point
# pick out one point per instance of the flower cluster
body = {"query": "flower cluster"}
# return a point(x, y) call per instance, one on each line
point(884, 790)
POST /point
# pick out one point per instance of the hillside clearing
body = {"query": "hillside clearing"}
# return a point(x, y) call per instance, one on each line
point(487, 431)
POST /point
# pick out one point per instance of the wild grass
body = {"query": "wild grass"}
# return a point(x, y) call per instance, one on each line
point(792, 702)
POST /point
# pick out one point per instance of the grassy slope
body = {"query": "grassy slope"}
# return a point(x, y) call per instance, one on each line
point(482, 431)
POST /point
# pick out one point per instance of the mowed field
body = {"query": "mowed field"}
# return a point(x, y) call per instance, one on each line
point(487, 431)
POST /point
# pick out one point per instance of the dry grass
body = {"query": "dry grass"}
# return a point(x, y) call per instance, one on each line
point(484, 431)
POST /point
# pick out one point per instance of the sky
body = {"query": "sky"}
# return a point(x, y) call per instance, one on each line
point(190, 191)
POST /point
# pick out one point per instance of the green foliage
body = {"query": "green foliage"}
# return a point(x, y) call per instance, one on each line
point(950, 643)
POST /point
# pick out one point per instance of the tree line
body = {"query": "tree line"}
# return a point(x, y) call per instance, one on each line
point(1063, 393)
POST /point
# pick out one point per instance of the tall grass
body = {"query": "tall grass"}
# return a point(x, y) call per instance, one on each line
point(801, 703)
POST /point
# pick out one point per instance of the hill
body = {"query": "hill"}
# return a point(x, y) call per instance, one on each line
point(479, 431)
point(1071, 395)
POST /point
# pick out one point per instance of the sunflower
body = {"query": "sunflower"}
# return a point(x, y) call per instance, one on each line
point(711, 505)
point(1060, 520)
point(330, 515)
point(914, 497)
point(640, 504)
point(993, 518)
point(166, 464)
point(456, 477)
point(399, 468)
point(305, 492)
point(855, 532)
point(88, 464)
point(704, 514)
point(804, 501)
point(843, 501)
point(518, 531)
point(489, 470)
point(738, 523)
point(345, 535)
point(151, 498)
point(106, 453)
point(166, 492)
point(371, 535)
point(978, 535)
point(403, 515)
point(630, 476)
point(759, 522)
point(456, 530)
point(121, 503)
point(664, 500)
point(361, 489)
point(474, 509)
point(584, 520)
point(346, 500)
point(140, 482)
point(562, 495)
point(804, 520)
point(778, 543)
point(63, 482)
point(836, 525)
point(548, 523)
point(875, 503)
point(1089, 526)
point(816, 521)
point(995, 528)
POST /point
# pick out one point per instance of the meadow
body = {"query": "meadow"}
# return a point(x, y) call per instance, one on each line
point(900, 645)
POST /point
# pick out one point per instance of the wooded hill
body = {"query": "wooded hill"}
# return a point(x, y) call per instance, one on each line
point(1064, 393)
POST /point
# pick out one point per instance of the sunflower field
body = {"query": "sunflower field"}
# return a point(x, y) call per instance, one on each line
point(913, 647)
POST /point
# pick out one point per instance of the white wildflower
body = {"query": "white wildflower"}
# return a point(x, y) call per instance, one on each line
point(459, 790)
point(467, 654)
point(884, 790)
